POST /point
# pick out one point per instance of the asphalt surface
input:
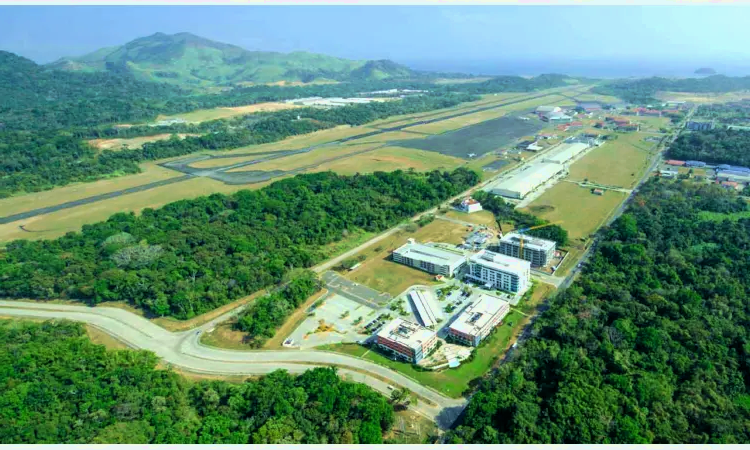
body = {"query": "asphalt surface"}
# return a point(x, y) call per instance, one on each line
point(184, 350)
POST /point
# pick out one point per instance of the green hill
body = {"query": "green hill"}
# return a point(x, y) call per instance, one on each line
point(186, 59)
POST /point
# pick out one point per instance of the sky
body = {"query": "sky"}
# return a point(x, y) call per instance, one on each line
point(463, 38)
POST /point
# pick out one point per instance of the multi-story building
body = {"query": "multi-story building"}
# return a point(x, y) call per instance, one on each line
point(406, 339)
point(539, 252)
point(428, 258)
point(478, 320)
point(500, 271)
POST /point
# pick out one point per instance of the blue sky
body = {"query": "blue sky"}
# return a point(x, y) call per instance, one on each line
point(418, 35)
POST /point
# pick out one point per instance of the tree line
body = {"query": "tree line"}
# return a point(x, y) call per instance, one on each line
point(650, 345)
point(717, 146)
point(60, 388)
point(643, 91)
point(192, 256)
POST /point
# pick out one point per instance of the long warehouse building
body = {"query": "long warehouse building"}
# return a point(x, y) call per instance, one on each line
point(520, 184)
point(565, 152)
point(425, 309)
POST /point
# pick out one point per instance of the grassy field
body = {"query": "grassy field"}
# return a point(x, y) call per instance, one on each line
point(131, 143)
point(591, 97)
point(56, 224)
point(652, 124)
point(580, 211)
point(411, 428)
point(703, 97)
point(204, 115)
point(391, 158)
point(620, 162)
point(27, 202)
point(480, 217)
point(98, 336)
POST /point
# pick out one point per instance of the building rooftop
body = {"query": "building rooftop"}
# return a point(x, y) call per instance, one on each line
point(424, 308)
point(500, 262)
point(527, 180)
point(528, 241)
point(564, 152)
point(478, 314)
point(434, 255)
point(675, 162)
point(406, 333)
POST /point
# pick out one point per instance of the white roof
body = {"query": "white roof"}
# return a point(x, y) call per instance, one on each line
point(407, 333)
point(424, 308)
point(501, 263)
point(547, 108)
point(528, 241)
point(434, 255)
point(527, 180)
point(565, 152)
point(474, 318)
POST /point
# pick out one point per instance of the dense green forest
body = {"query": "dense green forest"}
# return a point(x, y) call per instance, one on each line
point(266, 314)
point(717, 146)
point(650, 345)
point(643, 90)
point(736, 113)
point(506, 213)
point(192, 256)
point(56, 387)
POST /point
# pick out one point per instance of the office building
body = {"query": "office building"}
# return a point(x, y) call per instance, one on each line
point(478, 320)
point(408, 340)
point(539, 252)
point(500, 272)
point(431, 259)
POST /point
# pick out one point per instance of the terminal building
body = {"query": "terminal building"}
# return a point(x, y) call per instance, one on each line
point(525, 181)
point(478, 320)
point(539, 252)
point(431, 259)
point(500, 271)
point(407, 340)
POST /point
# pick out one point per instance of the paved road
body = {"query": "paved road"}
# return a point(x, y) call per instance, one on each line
point(355, 292)
point(185, 350)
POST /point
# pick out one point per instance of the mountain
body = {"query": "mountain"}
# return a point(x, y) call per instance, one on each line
point(187, 59)
point(705, 71)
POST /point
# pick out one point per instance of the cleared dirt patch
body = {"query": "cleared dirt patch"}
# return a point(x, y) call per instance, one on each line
point(132, 143)
point(203, 115)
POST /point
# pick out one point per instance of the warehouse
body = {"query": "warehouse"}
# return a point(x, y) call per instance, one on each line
point(428, 258)
point(478, 320)
point(407, 340)
point(539, 252)
point(564, 153)
point(733, 175)
point(519, 185)
point(500, 271)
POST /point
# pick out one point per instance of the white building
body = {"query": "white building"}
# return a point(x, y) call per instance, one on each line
point(429, 258)
point(547, 109)
point(478, 319)
point(563, 153)
point(500, 271)
point(470, 205)
point(539, 252)
point(406, 339)
point(525, 181)
point(426, 310)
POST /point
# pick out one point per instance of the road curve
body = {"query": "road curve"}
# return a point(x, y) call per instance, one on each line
point(184, 350)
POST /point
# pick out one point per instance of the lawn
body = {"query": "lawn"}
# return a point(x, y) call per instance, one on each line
point(304, 140)
point(387, 159)
point(313, 157)
point(703, 97)
point(204, 115)
point(580, 211)
point(480, 217)
point(620, 162)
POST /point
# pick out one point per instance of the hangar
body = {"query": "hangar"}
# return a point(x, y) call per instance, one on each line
point(526, 180)
point(564, 152)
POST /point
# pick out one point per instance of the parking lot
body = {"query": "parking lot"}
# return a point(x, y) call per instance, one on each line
point(337, 319)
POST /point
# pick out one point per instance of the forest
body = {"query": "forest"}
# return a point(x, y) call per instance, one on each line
point(717, 146)
point(60, 388)
point(643, 91)
point(192, 256)
point(505, 213)
point(735, 113)
point(650, 345)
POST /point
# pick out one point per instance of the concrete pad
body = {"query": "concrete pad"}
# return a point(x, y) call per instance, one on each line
point(343, 329)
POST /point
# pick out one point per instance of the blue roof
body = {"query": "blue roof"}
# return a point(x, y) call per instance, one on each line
point(734, 172)
point(739, 169)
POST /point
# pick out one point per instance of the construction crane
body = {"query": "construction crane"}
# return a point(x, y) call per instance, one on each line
point(523, 230)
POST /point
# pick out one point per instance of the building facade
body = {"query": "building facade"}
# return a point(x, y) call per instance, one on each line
point(478, 320)
point(431, 259)
point(539, 252)
point(470, 205)
point(500, 271)
point(408, 340)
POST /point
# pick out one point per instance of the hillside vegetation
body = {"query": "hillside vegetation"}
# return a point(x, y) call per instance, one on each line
point(186, 59)
point(192, 256)
point(59, 388)
point(717, 146)
point(650, 345)
point(644, 90)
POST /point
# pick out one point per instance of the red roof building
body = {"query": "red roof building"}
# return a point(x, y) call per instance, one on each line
point(674, 162)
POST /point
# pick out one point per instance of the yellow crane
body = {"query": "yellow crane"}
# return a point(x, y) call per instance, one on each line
point(523, 230)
